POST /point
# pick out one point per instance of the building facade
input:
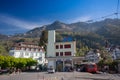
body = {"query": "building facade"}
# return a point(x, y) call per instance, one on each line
point(28, 50)
point(60, 54)
point(92, 56)
point(114, 52)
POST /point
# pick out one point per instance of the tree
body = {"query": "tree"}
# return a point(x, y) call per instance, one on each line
point(9, 62)
point(43, 38)
point(3, 50)
point(106, 58)
point(82, 51)
point(1, 60)
point(30, 62)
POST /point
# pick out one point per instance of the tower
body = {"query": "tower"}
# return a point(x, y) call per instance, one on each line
point(51, 47)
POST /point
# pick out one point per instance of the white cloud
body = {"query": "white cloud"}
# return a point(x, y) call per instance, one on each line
point(18, 23)
point(81, 19)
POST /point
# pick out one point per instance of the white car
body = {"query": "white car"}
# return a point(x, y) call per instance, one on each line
point(51, 70)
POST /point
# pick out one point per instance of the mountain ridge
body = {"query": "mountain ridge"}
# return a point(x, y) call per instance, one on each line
point(79, 26)
point(93, 34)
point(107, 28)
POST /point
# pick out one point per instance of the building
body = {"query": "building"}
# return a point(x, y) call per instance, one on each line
point(28, 50)
point(92, 56)
point(114, 52)
point(60, 55)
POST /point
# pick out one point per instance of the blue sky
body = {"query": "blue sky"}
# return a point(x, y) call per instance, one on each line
point(17, 16)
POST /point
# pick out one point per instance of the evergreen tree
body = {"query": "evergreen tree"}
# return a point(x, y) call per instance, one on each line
point(43, 39)
point(3, 50)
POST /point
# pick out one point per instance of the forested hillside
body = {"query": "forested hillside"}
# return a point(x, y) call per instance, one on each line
point(108, 29)
point(87, 35)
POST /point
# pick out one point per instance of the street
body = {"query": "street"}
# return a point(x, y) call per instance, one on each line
point(60, 76)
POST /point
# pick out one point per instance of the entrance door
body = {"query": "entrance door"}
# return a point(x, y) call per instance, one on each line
point(68, 65)
point(59, 66)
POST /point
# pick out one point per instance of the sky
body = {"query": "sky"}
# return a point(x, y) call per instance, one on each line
point(18, 16)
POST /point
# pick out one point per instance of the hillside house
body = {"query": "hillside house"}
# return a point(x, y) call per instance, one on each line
point(92, 56)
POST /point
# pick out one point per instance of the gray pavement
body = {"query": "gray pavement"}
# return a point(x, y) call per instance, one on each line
point(60, 76)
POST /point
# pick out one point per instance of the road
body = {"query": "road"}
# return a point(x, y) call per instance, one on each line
point(60, 76)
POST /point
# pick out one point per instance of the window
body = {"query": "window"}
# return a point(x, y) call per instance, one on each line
point(57, 53)
point(36, 54)
point(29, 49)
point(26, 54)
point(57, 47)
point(19, 44)
point(61, 46)
point(17, 48)
point(67, 53)
point(34, 49)
point(67, 46)
point(24, 48)
point(61, 53)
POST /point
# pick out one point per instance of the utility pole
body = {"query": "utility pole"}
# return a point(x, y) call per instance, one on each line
point(117, 10)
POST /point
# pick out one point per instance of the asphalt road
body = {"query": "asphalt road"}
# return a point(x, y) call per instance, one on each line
point(60, 76)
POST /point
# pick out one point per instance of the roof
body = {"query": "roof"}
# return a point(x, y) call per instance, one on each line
point(28, 45)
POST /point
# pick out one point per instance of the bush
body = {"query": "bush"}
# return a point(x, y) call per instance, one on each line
point(9, 62)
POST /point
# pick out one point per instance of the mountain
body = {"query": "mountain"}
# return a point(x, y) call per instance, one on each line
point(91, 35)
point(3, 37)
point(108, 29)
point(105, 28)
point(57, 25)
point(36, 32)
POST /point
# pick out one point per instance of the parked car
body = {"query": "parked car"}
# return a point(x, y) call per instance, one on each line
point(2, 71)
point(51, 70)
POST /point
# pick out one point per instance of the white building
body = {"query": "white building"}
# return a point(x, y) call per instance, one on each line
point(116, 53)
point(60, 54)
point(91, 56)
point(28, 50)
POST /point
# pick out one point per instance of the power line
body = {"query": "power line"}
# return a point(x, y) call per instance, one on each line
point(106, 16)
point(117, 10)
point(95, 19)
point(109, 15)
